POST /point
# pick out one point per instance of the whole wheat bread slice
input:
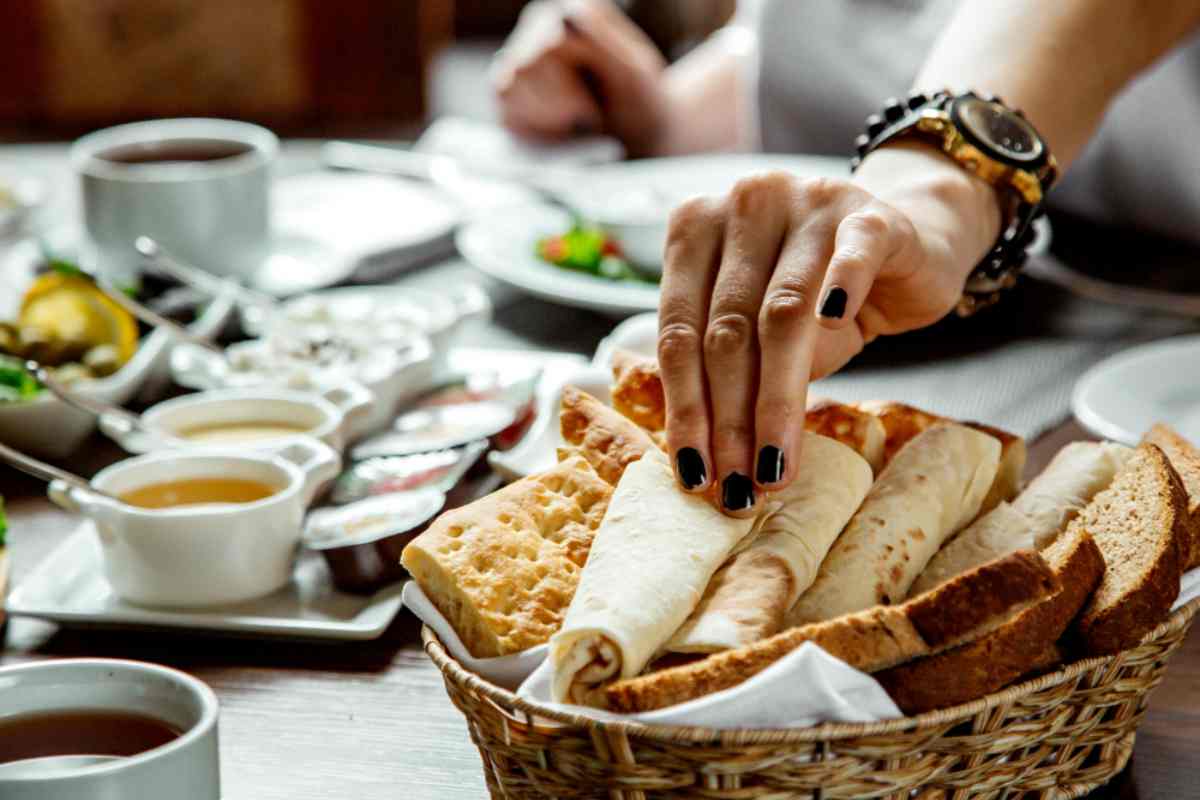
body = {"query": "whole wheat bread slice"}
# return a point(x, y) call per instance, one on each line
point(1186, 460)
point(1015, 648)
point(1140, 523)
point(956, 612)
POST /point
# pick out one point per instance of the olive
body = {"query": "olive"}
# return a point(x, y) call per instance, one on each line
point(38, 345)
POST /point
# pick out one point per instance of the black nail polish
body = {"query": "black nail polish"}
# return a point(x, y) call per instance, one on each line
point(691, 467)
point(771, 464)
point(834, 304)
point(737, 492)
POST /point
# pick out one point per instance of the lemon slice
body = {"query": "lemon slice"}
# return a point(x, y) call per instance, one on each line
point(72, 309)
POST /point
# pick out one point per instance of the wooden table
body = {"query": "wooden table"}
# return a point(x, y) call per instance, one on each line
point(371, 721)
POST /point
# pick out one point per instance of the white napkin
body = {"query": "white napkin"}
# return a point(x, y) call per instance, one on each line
point(505, 671)
point(806, 687)
point(1189, 588)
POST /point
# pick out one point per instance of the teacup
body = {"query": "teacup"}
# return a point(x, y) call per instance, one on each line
point(201, 187)
point(210, 554)
point(261, 419)
point(184, 768)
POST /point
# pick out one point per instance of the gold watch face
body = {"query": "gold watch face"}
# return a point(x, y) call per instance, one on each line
point(999, 129)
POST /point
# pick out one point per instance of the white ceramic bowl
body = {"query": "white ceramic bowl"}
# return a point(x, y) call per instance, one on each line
point(186, 768)
point(207, 554)
point(49, 428)
point(328, 417)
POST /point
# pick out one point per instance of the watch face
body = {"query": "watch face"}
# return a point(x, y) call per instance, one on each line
point(999, 128)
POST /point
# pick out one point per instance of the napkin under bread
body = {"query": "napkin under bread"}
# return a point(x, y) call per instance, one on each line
point(931, 489)
point(750, 595)
point(1036, 516)
point(956, 612)
point(651, 559)
point(503, 569)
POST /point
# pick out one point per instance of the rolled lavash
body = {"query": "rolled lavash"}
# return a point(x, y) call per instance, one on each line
point(649, 564)
point(932, 488)
point(1035, 517)
point(749, 597)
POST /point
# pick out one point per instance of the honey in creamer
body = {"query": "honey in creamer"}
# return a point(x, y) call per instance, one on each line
point(197, 491)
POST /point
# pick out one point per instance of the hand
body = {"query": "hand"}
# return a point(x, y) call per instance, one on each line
point(785, 280)
point(578, 68)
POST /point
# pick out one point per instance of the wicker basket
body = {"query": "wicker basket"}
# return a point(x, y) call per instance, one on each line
point(1059, 735)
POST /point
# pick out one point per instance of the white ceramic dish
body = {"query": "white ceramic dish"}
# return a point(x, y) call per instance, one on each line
point(48, 428)
point(503, 244)
point(1122, 396)
point(393, 376)
point(20, 196)
point(69, 588)
point(210, 554)
point(186, 768)
point(329, 417)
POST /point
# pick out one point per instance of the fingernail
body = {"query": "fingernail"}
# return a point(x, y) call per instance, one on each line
point(771, 464)
point(834, 304)
point(691, 467)
point(737, 492)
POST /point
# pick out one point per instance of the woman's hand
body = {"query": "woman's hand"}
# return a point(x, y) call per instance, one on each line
point(581, 67)
point(785, 280)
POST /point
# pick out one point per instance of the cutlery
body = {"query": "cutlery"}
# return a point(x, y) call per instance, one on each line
point(158, 259)
point(40, 469)
point(129, 423)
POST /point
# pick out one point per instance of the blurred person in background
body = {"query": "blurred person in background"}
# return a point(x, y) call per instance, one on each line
point(784, 280)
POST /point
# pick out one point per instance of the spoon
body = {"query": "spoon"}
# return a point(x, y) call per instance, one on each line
point(160, 260)
point(40, 469)
point(126, 423)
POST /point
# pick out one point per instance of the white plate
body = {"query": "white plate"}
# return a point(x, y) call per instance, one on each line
point(69, 587)
point(503, 244)
point(1122, 396)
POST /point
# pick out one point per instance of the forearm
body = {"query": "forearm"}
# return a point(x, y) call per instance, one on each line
point(1061, 62)
point(707, 102)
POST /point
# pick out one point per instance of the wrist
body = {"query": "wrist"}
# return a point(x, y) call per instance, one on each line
point(943, 201)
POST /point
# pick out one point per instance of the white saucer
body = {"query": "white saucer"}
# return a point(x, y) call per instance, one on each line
point(1122, 396)
point(69, 587)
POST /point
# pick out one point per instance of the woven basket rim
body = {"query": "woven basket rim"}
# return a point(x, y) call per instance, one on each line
point(935, 721)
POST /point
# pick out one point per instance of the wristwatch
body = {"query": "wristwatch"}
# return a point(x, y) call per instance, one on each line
point(991, 141)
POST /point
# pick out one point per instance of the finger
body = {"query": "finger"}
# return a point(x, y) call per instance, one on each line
point(787, 334)
point(865, 240)
point(755, 224)
point(548, 98)
point(689, 267)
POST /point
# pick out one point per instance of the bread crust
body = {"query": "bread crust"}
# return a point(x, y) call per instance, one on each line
point(1185, 458)
point(859, 430)
point(1125, 607)
point(637, 390)
point(972, 670)
point(971, 604)
point(609, 441)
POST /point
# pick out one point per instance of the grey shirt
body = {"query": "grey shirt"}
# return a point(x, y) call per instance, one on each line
point(823, 65)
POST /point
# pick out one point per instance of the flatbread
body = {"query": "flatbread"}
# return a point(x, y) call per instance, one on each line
point(649, 564)
point(931, 489)
point(609, 441)
point(859, 430)
point(749, 597)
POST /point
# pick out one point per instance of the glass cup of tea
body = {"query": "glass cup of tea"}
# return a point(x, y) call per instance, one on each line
point(78, 729)
point(201, 187)
point(203, 526)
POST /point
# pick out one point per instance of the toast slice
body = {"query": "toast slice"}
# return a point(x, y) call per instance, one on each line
point(503, 569)
point(903, 423)
point(1186, 460)
point(1140, 523)
point(609, 441)
point(1012, 650)
point(859, 430)
point(956, 612)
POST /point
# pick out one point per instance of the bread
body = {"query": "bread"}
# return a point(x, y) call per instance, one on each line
point(956, 612)
point(609, 441)
point(863, 432)
point(1140, 524)
point(902, 423)
point(1037, 515)
point(1186, 461)
point(637, 390)
point(1015, 648)
point(503, 569)
point(929, 491)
